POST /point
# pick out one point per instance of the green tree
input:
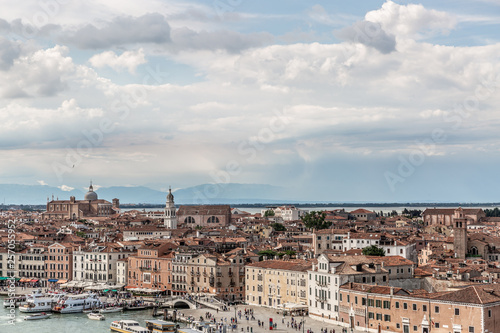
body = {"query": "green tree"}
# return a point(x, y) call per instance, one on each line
point(278, 227)
point(373, 251)
point(267, 253)
point(269, 212)
point(290, 253)
point(316, 220)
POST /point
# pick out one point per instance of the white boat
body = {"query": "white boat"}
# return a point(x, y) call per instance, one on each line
point(111, 309)
point(77, 303)
point(95, 316)
point(127, 326)
point(16, 301)
point(42, 315)
point(39, 302)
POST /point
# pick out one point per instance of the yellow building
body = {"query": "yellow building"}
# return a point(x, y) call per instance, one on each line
point(278, 284)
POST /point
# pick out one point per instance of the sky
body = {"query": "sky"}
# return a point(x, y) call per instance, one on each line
point(380, 101)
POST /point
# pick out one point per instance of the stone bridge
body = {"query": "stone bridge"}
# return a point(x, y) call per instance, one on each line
point(178, 302)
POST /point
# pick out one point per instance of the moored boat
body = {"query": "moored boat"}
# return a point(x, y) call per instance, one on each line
point(111, 309)
point(39, 302)
point(77, 303)
point(127, 326)
point(14, 301)
point(42, 315)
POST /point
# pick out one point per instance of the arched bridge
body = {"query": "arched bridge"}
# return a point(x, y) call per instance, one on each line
point(179, 302)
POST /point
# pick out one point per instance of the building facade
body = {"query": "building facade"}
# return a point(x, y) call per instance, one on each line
point(204, 215)
point(277, 283)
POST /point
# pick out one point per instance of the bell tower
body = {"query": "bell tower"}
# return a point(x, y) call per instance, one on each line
point(460, 233)
point(170, 220)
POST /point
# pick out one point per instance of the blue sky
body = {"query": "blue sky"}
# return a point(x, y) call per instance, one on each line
point(336, 101)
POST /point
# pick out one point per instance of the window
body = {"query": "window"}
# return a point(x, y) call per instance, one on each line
point(436, 309)
point(378, 303)
point(471, 329)
point(387, 304)
point(405, 306)
point(387, 318)
point(370, 302)
point(397, 305)
point(355, 299)
point(424, 308)
point(457, 312)
point(415, 328)
point(370, 315)
point(414, 307)
point(489, 313)
point(436, 325)
point(379, 316)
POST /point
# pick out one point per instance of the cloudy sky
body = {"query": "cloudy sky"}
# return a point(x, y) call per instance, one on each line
point(333, 100)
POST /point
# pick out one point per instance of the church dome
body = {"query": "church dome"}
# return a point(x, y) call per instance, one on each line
point(90, 195)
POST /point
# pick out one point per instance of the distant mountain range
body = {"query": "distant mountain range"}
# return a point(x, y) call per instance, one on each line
point(201, 194)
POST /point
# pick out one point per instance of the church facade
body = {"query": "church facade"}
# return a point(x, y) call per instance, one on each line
point(72, 209)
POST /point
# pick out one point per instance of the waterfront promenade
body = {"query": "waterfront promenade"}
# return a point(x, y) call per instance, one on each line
point(261, 314)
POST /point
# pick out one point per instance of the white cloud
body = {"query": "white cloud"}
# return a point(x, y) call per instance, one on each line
point(127, 60)
point(41, 182)
point(413, 21)
point(66, 188)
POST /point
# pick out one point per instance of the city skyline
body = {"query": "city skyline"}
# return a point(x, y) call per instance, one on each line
point(375, 101)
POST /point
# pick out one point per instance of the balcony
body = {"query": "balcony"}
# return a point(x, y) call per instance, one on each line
point(219, 274)
point(196, 274)
point(219, 284)
point(259, 277)
point(144, 268)
point(322, 284)
point(205, 273)
point(232, 283)
point(321, 299)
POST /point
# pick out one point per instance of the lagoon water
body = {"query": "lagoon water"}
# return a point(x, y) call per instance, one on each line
point(65, 323)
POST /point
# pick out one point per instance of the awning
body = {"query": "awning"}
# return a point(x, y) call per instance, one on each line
point(3, 278)
point(52, 280)
point(24, 280)
point(62, 281)
point(130, 287)
point(34, 280)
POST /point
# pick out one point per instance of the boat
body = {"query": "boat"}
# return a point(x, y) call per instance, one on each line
point(77, 303)
point(36, 316)
point(111, 309)
point(127, 326)
point(138, 307)
point(200, 327)
point(39, 302)
point(16, 301)
point(160, 326)
point(95, 316)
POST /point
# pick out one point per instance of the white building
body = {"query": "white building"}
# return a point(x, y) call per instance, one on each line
point(360, 240)
point(98, 264)
point(330, 273)
point(121, 271)
point(287, 213)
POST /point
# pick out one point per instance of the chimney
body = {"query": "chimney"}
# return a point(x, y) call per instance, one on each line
point(392, 291)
